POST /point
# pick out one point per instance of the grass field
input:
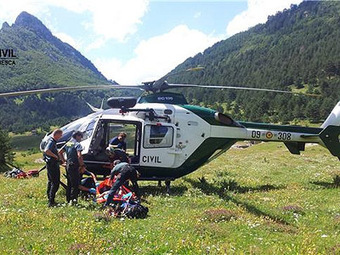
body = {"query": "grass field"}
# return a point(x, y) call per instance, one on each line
point(26, 142)
point(259, 200)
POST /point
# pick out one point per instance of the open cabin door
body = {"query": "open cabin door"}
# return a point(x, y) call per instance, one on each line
point(158, 142)
point(106, 130)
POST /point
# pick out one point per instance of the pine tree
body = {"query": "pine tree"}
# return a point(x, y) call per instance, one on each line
point(6, 154)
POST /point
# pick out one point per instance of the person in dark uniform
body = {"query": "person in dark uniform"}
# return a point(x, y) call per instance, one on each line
point(87, 184)
point(119, 141)
point(74, 162)
point(116, 154)
point(124, 172)
point(52, 159)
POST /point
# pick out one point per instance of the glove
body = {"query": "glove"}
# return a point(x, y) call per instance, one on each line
point(92, 191)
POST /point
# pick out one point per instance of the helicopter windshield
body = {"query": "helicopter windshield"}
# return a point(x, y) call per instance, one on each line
point(89, 129)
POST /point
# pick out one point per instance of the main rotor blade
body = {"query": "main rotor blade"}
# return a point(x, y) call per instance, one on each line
point(236, 88)
point(61, 89)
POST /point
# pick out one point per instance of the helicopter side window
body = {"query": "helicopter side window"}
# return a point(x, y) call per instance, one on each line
point(158, 136)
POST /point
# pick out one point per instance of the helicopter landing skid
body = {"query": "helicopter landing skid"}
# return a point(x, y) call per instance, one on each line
point(167, 184)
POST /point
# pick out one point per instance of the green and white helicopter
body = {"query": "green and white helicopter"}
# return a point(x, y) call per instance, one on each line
point(168, 138)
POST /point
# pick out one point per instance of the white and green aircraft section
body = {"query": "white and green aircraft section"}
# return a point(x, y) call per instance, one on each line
point(192, 135)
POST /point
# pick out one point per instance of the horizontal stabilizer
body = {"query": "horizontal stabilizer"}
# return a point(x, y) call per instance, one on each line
point(308, 136)
point(295, 147)
point(331, 138)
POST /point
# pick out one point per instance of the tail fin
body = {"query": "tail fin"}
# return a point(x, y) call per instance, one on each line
point(330, 135)
point(334, 118)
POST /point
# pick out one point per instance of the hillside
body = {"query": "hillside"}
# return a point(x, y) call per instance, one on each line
point(295, 49)
point(43, 61)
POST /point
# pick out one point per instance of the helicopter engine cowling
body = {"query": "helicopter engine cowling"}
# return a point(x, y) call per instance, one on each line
point(122, 102)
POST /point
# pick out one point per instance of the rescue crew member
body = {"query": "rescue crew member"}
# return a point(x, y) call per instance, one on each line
point(74, 162)
point(116, 154)
point(119, 141)
point(87, 184)
point(52, 159)
point(124, 172)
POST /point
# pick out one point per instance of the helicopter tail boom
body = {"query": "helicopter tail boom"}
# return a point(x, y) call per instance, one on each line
point(294, 137)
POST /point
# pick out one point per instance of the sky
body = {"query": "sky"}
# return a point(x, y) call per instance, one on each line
point(131, 41)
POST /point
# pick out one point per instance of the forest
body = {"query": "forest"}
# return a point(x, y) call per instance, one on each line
point(295, 50)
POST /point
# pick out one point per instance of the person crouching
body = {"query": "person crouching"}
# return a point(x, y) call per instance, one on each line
point(124, 172)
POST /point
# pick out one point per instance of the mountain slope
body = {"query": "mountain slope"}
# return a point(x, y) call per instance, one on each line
point(295, 49)
point(43, 60)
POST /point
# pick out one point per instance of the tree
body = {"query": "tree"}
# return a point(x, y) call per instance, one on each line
point(331, 70)
point(6, 154)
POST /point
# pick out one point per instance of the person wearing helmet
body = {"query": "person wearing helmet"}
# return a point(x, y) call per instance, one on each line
point(124, 171)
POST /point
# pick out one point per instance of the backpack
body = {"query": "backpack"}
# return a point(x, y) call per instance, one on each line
point(15, 173)
point(134, 210)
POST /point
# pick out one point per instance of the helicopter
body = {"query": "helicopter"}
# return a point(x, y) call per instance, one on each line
point(169, 138)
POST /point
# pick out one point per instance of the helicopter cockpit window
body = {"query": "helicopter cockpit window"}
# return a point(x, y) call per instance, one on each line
point(89, 129)
point(158, 136)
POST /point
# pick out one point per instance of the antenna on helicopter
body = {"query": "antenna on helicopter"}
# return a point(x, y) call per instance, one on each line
point(102, 104)
point(95, 109)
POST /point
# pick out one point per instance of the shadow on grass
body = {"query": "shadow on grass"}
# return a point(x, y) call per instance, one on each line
point(161, 191)
point(210, 189)
point(233, 186)
point(326, 185)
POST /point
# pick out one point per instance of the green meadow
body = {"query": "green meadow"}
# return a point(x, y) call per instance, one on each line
point(256, 200)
